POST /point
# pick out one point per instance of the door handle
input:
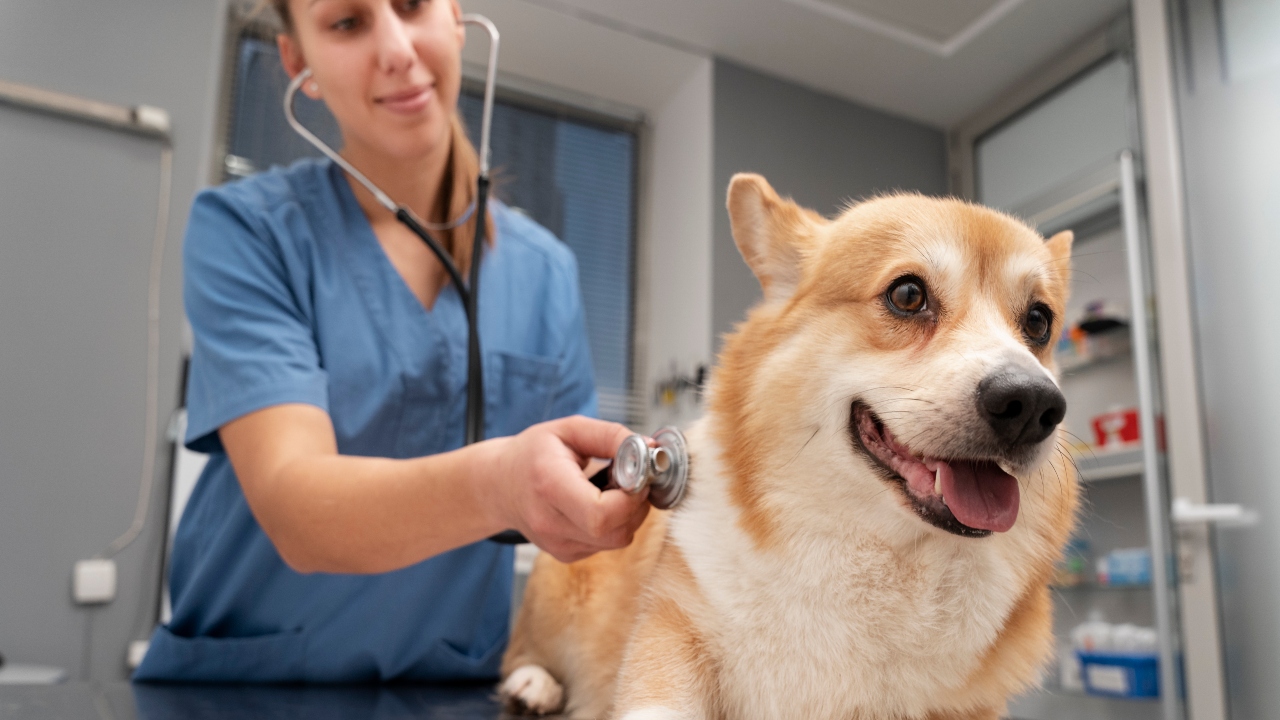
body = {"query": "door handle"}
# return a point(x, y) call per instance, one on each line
point(1186, 512)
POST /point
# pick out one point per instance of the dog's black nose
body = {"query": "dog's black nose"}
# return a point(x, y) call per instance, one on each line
point(1021, 406)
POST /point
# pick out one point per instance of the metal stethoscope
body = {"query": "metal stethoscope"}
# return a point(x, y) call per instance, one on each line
point(663, 468)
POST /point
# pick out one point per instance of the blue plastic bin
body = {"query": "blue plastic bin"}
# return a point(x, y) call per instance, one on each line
point(1119, 675)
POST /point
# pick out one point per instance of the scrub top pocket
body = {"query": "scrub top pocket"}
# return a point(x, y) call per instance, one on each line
point(274, 657)
point(519, 390)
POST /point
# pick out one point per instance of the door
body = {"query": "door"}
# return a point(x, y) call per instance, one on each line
point(1228, 99)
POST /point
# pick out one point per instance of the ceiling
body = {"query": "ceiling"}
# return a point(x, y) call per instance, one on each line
point(936, 61)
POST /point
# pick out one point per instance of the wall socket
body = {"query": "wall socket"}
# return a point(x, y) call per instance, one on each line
point(137, 650)
point(94, 581)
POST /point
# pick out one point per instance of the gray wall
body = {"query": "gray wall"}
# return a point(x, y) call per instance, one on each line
point(820, 150)
point(1230, 121)
point(77, 213)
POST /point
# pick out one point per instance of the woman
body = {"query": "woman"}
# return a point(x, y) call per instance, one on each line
point(335, 534)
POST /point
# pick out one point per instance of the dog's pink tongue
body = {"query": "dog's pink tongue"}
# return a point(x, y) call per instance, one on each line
point(980, 494)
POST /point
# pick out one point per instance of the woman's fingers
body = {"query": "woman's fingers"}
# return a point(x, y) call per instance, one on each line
point(563, 512)
point(588, 513)
point(596, 516)
point(588, 437)
point(575, 541)
point(567, 551)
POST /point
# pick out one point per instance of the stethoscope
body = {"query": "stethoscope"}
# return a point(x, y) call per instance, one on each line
point(636, 466)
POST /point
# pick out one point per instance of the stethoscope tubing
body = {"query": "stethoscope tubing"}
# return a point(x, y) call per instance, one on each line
point(469, 290)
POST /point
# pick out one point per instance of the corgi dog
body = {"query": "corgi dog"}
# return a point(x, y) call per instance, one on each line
point(876, 500)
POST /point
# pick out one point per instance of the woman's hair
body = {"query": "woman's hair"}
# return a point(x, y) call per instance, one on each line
point(457, 188)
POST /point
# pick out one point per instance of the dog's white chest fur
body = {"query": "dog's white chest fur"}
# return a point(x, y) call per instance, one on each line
point(830, 627)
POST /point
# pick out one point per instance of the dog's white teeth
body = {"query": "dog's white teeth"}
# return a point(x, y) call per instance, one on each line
point(1005, 467)
point(937, 483)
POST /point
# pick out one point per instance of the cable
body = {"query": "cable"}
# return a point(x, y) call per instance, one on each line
point(153, 359)
point(475, 366)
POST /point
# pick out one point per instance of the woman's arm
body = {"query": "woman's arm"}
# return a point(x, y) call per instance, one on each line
point(327, 512)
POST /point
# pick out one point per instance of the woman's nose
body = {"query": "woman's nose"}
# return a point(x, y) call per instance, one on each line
point(394, 45)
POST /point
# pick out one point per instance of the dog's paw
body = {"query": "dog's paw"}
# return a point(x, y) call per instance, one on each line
point(530, 690)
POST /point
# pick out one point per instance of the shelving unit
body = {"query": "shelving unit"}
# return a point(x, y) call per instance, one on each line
point(1056, 704)
point(1078, 366)
point(1115, 465)
point(1113, 484)
point(1067, 156)
point(1095, 587)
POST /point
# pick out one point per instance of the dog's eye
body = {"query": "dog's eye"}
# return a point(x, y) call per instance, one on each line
point(1037, 324)
point(907, 295)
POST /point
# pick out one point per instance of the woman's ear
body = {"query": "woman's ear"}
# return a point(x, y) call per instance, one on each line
point(462, 29)
point(293, 62)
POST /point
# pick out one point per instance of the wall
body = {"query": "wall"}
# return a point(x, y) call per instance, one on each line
point(820, 150)
point(79, 206)
point(678, 227)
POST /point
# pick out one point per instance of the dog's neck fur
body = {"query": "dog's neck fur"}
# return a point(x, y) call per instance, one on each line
point(902, 626)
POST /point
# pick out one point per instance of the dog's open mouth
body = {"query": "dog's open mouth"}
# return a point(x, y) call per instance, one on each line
point(972, 498)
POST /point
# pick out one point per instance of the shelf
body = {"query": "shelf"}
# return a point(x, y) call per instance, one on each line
point(1110, 465)
point(1073, 365)
point(1049, 704)
point(1095, 587)
point(1103, 348)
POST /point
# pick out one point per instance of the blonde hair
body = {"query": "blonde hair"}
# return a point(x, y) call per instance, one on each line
point(457, 188)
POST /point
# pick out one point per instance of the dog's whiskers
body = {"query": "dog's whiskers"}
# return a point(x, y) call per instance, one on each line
point(816, 430)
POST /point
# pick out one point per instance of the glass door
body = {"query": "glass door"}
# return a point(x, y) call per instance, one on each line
point(1228, 93)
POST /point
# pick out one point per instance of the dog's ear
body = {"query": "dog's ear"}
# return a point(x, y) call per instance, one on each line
point(1060, 249)
point(771, 232)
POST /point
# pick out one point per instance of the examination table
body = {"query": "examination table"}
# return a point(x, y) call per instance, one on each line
point(125, 701)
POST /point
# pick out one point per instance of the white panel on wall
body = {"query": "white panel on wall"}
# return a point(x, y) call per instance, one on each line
point(1076, 129)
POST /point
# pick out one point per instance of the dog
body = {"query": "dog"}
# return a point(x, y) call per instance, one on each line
point(877, 494)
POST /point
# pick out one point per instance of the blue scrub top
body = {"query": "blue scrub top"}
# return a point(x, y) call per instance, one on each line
point(292, 300)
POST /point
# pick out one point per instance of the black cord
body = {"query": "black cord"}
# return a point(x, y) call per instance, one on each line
point(475, 366)
point(406, 217)
point(470, 296)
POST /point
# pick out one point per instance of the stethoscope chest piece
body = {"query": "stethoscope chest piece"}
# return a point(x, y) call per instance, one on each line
point(664, 468)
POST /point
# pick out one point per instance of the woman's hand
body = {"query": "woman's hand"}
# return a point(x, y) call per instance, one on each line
point(539, 486)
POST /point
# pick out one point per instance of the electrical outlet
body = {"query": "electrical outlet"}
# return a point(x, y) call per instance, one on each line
point(137, 651)
point(94, 581)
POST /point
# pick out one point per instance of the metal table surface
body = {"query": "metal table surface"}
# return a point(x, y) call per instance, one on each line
point(125, 701)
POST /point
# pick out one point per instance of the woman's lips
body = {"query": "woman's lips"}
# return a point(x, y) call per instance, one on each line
point(407, 102)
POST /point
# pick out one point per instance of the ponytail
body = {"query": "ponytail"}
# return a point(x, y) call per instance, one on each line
point(457, 192)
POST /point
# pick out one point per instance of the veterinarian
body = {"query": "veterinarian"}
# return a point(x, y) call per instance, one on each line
point(337, 532)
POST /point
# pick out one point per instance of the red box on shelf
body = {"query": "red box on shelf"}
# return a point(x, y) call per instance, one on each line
point(1115, 429)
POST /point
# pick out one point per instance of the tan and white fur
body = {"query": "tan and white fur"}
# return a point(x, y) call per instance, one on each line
point(796, 580)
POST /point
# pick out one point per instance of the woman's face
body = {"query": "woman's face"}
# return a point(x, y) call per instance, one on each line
point(389, 70)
